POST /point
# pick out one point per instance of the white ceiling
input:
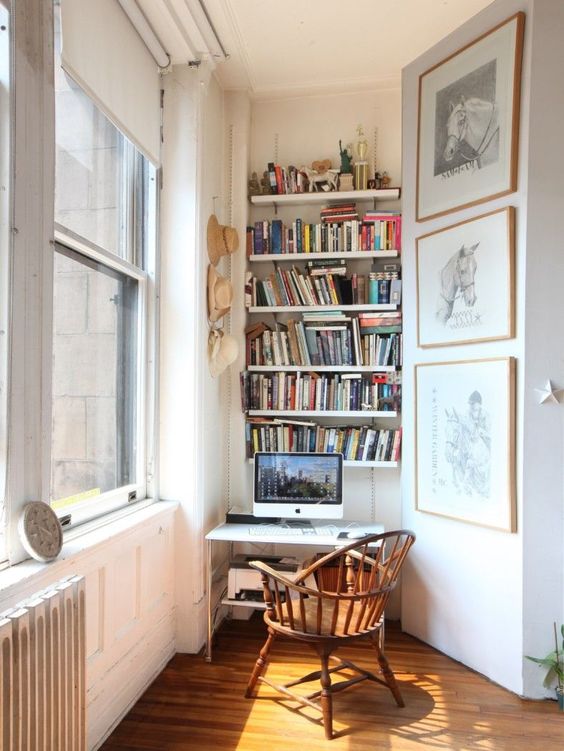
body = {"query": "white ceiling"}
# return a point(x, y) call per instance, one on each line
point(293, 47)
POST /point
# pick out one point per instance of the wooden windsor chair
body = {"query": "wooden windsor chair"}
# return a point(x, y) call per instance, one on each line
point(345, 604)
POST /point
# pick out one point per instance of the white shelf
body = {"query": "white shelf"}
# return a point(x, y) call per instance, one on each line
point(322, 368)
point(326, 197)
point(257, 604)
point(321, 413)
point(317, 308)
point(353, 255)
point(352, 464)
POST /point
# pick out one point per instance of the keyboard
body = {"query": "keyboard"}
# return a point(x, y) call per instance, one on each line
point(273, 530)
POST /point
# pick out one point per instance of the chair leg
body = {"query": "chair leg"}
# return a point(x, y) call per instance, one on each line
point(260, 663)
point(326, 695)
point(388, 674)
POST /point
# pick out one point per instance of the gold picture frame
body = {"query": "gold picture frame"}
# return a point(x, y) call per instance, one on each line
point(465, 441)
point(468, 123)
point(466, 281)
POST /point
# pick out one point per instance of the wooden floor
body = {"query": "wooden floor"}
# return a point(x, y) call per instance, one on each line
point(196, 705)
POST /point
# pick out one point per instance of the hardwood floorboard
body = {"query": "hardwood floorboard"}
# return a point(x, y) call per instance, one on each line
point(196, 705)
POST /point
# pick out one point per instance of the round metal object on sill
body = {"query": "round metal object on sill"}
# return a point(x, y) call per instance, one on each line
point(40, 531)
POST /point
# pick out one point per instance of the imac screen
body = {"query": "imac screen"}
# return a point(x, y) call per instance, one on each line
point(308, 479)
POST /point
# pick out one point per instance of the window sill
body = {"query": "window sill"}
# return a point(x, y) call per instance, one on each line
point(82, 540)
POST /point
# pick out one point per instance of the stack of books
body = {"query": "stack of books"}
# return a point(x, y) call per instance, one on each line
point(385, 284)
point(356, 443)
point(314, 392)
point(328, 338)
point(319, 286)
point(381, 230)
point(334, 234)
point(339, 213)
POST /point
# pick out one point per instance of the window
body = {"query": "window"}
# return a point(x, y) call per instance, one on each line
point(5, 191)
point(105, 213)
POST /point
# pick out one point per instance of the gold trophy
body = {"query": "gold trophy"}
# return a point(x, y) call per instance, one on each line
point(361, 160)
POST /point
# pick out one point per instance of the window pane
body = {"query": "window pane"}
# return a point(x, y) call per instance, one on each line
point(4, 249)
point(94, 379)
point(95, 168)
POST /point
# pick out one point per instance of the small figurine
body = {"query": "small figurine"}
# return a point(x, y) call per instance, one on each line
point(254, 185)
point(321, 166)
point(325, 181)
point(265, 184)
point(386, 180)
point(346, 158)
point(377, 180)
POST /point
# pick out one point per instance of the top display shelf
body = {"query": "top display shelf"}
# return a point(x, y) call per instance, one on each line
point(326, 197)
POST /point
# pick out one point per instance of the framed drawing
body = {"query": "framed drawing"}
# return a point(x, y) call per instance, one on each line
point(465, 445)
point(465, 281)
point(468, 127)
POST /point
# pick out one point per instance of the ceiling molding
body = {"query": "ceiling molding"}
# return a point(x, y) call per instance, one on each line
point(312, 88)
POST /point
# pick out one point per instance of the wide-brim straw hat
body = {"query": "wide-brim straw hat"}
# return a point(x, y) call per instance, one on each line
point(222, 351)
point(220, 295)
point(222, 240)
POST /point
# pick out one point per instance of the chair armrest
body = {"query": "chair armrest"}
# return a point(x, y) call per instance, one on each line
point(284, 581)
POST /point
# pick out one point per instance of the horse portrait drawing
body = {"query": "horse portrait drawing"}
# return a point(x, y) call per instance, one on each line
point(472, 131)
point(457, 279)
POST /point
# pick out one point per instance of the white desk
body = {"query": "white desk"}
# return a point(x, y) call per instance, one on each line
point(325, 537)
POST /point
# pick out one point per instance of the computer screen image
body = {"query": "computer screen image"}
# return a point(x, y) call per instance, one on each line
point(298, 485)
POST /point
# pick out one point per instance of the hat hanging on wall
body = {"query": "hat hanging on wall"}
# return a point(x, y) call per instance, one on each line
point(222, 240)
point(220, 295)
point(222, 351)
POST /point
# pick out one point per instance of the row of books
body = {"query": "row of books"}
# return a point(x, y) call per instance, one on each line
point(328, 338)
point(381, 232)
point(283, 180)
point(356, 443)
point(291, 287)
point(315, 392)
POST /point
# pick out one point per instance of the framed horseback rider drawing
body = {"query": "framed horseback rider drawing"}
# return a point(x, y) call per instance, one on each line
point(465, 441)
point(465, 282)
point(468, 129)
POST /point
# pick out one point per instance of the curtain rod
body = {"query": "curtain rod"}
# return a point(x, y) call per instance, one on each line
point(145, 31)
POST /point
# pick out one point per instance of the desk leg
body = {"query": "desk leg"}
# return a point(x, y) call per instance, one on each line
point(209, 636)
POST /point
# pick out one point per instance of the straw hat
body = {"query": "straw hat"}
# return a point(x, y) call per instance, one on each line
point(222, 351)
point(220, 295)
point(222, 240)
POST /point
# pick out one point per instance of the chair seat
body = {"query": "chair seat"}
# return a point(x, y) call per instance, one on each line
point(345, 627)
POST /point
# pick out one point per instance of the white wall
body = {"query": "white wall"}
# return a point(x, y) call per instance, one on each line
point(543, 440)
point(486, 597)
point(190, 401)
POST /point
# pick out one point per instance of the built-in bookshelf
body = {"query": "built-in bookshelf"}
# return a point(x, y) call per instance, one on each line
point(323, 335)
point(323, 198)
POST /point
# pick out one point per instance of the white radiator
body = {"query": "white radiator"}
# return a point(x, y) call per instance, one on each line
point(42, 671)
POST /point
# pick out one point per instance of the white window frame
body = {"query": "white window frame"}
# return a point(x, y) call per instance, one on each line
point(34, 239)
point(145, 381)
point(5, 259)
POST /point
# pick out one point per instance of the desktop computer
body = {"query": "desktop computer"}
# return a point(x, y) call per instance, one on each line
point(298, 487)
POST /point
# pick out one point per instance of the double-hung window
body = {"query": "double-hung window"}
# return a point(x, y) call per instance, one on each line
point(78, 311)
point(103, 309)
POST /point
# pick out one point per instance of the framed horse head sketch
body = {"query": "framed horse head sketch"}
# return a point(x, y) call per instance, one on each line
point(465, 281)
point(465, 441)
point(469, 122)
